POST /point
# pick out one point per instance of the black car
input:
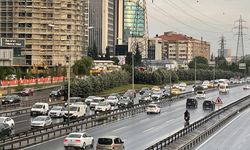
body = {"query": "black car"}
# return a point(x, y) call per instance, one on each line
point(10, 99)
point(5, 130)
point(125, 103)
point(191, 103)
point(208, 105)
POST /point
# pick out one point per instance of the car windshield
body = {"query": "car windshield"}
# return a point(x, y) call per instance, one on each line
point(112, 97)
point(73, 100)
point(124, 101)
point(39, 118)
point(74, 135)
point(96, 100)
point(53, 92)
point(102, 104)
point(56, 108)
point(2, 120)
point(199, 92)
point(105, 141)
point(38, 106)
point(151, 106)
point(73, 108)
point(90, 97)
point(158, 93)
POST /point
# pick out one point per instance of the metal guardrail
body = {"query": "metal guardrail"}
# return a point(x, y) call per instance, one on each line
point(163, 143)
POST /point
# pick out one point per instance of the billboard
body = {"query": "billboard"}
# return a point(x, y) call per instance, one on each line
point(242, 66)
point(12, 42)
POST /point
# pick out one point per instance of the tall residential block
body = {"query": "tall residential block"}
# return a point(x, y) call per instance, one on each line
point(51, 29)
point(183, 48)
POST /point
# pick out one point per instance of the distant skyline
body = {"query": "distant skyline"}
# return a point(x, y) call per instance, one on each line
point(209, 19)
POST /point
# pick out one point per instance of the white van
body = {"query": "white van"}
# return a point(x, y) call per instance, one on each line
point(223, 88)
point(75, 110)
point(39, 109)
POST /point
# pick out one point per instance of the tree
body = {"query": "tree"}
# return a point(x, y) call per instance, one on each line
point(137, 56)
point(221, 63)
point(95, 52)
point(107, 55)
point(128, 59)
point(116, 60)
point(201, 63)
point(82, 66)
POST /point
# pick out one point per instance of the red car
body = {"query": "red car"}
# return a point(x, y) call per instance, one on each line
point(27, 92)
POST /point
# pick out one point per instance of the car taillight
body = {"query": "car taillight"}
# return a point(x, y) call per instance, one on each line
point(77, 140)
point(65, 140)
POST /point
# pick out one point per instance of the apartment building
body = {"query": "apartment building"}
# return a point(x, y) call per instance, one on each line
point(51, 29)
point(183, 48)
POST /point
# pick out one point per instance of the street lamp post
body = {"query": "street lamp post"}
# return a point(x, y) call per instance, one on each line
point(68, 58)
point(133, 73)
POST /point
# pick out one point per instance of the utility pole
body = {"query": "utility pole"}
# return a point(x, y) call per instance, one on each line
point(221, 52)
point(240, 40)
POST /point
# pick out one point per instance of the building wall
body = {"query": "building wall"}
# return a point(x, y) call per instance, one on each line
point(6, 57)
point(45, 45)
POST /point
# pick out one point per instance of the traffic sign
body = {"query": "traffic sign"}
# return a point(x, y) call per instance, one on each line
point(242, 66)
point(218, 101)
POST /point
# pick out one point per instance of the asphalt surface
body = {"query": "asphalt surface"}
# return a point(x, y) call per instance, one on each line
point(233, 136)
point(23, 122)
point(143, 130)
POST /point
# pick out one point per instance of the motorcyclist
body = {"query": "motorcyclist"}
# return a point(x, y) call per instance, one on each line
point(186, 116)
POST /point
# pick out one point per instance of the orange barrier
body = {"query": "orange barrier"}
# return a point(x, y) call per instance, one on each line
point(6, 83)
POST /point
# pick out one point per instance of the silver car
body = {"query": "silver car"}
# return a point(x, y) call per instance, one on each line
point(41, 121)
point(110, 142)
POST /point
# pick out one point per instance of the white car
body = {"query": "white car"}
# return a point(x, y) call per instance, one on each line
point(156, 95)
point(8, 121)
point(41, 121)
point(96, 101)
point(246, 87)
point(200, 95)
point(112, 100)
point(57, 111)
point(182, 86)
point(102, 106)
point(78, 140)
point(89, 99)
point(153, 108)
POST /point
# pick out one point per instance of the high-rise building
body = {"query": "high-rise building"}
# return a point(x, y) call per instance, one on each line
point(51, 29)
point(131, 20)
point(101, 19)
point(183, 48)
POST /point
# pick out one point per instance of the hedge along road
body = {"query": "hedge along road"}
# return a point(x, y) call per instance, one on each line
point(143, 130)
point(22, 122)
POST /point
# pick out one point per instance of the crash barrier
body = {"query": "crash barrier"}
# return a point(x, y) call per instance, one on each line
point(27, 104)
point(167, 141)
point(12, 83)
point(36, 136)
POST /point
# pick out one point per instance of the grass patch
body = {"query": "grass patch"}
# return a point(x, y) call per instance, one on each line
point(124, 88)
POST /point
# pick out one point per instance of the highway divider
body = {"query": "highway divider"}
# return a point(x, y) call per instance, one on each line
point(176, 140)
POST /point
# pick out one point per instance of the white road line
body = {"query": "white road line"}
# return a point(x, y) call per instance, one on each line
point(148, 130)
point(219, 131)
point(119, 129)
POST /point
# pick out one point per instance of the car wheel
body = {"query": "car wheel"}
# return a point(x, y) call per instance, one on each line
point(84, 146)
point(92, 144)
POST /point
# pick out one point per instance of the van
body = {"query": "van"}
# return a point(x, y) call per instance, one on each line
point(110, 142)
point(39, 109)
point(223, 88)
point(76, 110)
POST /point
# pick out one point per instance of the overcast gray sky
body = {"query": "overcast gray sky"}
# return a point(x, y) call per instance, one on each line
point(201, 18)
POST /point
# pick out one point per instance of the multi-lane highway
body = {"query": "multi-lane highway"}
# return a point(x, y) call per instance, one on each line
point(143, 130)
point(233, 136)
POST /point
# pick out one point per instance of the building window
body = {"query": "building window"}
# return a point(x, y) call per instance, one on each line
point(68, 47)
point(21, 25)
point(50, 15)
point(22, 14)
point(21, 35)
point(68, 37)
point(69, 27)
point(29, 14)
point(28, 46)
point(29, 25)
point(69, 16)
point(69, 5)
point(28, 35)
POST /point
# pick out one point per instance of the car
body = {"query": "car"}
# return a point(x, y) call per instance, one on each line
point(73, 100)
point(210, 84)
point(89, 99)
point(110, 142)
point(156, 96)
point(56, 111)
point(41, 121)
point(102, 107)
point(175, 86)
point(200, 94)
point(112, 100)
point(143, 90)
point(175, 91)
point(96, 101)
point(125, 103)
point(78, 140)
point(223, 88)
point(8, 121)
point(191, 103)
point(56, 93)
point(5, 130)
point(208, 105)
point(153, 108)
point(116, 94)
point(39, 109)
point(10, 99)
point(145, 98)
point(75, 110)
point(166, 93)
point(198, 88)
point(247, 87)
point(131, 93)
point(27, 92)
point(182, 86)
point(155, 88)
